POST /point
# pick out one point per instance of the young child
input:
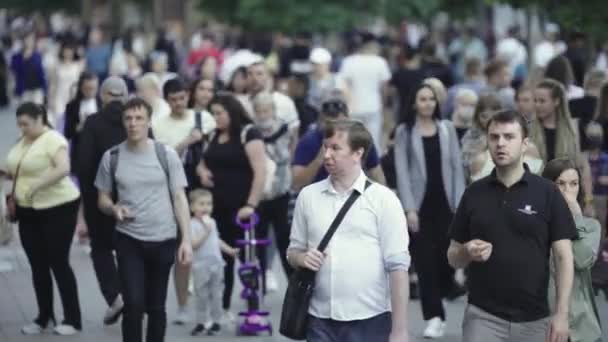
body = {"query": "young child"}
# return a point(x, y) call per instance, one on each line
point(207, 265)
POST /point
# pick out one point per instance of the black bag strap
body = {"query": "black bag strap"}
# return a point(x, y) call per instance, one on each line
point(336, 222)
point(113, 166)
point(198, 121)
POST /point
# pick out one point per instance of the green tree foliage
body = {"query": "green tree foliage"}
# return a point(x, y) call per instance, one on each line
point(44, 6)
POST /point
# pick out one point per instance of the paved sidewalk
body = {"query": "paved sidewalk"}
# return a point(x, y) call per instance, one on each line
point(17, 306)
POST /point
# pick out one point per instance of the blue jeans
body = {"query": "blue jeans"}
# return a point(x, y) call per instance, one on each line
point(144, 269)
point(377, 329)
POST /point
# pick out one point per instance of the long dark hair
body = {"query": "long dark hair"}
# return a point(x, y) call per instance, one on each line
point(84, 76)
point(194, 85)
point(560, 69)
point(34, 111)
point(240, 70)
point(556, 167)
point(410, 113)
point(237, 113)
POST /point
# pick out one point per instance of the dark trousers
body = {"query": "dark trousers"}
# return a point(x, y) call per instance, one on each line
point(377, 329)
point(46, 236)
point(229, 232)
point(274, 212)
point(429, 253)
point(101, 234)
point(144, 273)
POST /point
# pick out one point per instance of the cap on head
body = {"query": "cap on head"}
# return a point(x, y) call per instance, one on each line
point(320, 55)
point(116, 87)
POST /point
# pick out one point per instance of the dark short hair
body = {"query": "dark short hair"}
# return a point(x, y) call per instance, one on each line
point(333, 107)
point(556, 167)
point(358, 135)
point(174, 85)
point(138, 103)
point(508, 116)
point(34, 111)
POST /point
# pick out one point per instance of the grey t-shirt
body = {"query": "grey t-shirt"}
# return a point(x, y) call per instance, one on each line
point(142, 188)
point(208, 254)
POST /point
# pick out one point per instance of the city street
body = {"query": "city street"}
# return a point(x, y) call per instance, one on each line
point(17, 301)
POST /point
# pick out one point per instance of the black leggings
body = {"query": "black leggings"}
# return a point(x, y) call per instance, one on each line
point(46, 236)
point(429, 253)
point(229, 232)
point(274, 212)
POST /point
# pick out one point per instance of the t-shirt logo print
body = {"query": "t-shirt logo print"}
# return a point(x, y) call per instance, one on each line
point(527, 210)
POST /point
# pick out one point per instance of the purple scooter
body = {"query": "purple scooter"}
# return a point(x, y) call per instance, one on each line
point(254, 320)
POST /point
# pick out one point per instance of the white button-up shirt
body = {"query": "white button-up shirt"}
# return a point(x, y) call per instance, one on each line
point(353, 282)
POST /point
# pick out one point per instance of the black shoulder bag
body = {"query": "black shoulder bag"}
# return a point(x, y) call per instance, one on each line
point(294, 314)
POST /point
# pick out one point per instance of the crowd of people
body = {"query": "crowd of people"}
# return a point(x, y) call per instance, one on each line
point(151, 154)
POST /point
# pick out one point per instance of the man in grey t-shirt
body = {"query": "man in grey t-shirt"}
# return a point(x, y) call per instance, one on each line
point(150, 207)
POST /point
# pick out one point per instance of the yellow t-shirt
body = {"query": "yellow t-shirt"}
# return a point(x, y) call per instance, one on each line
point(38, 159)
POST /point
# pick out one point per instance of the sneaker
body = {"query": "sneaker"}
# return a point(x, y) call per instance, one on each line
point(113, 312)
point(435, 328)
point(32, 329)
point(65, 330)
point(228, 317)
point(199, 329)
point(214, 330)
point(272, 285)
point(182, 317)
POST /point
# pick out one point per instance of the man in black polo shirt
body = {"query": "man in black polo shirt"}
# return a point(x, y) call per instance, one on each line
point(505, 229)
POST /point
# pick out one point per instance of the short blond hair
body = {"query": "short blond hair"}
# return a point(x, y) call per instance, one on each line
point(197, 194)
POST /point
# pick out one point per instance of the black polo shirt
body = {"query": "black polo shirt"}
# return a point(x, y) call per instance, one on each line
point(521, 222)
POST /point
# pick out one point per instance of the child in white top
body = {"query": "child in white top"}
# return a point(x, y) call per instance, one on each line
point(207, 263)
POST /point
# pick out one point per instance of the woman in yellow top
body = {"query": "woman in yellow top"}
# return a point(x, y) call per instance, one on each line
point(47, 208)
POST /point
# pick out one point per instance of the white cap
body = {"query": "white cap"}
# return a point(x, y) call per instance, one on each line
point(320, 55)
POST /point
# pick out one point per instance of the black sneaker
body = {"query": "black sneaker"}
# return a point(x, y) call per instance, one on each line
point(214, 330)
point(198, 330)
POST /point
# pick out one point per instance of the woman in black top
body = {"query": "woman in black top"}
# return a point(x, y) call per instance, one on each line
point(77, 110)
point(233, 167)
point(430, 182)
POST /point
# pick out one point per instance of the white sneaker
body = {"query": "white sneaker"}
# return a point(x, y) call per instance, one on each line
point(435, 328)
point(182, 317)
point(228, 317)
point(65, 330)
point(32, 329)
point(272, 285)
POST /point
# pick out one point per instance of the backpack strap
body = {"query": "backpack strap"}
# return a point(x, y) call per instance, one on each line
point(114, 152)
point(161, 154)
point(282, 130)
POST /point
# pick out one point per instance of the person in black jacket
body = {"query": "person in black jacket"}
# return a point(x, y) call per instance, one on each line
point(102, 131)
point(78, 109)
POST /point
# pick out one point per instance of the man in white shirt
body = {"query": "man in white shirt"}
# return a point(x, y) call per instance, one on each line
point(179, 131)
point(178, 128)
point(362, 275)
point(366, 76)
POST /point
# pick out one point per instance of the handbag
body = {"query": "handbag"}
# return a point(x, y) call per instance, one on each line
point(301, 285)
point(11, 201)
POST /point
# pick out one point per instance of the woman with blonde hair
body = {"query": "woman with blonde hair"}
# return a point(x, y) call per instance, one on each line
point(555, 133)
